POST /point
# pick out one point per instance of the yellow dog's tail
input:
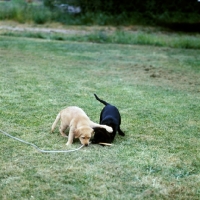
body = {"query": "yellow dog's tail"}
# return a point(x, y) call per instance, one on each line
point(55, 122)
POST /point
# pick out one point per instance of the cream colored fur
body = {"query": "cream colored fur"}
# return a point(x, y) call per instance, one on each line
point(79, 124)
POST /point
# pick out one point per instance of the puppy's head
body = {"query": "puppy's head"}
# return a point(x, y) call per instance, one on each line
point(102, 135)
point(84, 134)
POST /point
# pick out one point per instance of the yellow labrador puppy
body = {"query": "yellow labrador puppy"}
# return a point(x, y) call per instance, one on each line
point(79, 124)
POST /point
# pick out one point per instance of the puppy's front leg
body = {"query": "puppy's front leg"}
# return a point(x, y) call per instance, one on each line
point(108, 128)
point(70, 136)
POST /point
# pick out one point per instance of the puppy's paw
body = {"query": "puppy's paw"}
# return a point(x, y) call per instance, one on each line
point(68, 144)
point(109, 129)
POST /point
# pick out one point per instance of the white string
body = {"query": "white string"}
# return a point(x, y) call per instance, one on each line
point(41, 150)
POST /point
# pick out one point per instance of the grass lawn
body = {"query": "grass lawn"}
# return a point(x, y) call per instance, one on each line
point(157, 90)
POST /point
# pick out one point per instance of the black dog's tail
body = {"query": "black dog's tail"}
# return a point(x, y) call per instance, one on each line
point(102, 101)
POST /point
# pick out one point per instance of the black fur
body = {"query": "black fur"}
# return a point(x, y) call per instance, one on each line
point(109, 116)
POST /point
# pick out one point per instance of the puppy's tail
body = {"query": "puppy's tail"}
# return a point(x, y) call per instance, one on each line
point(102, 101)
point(55, 122)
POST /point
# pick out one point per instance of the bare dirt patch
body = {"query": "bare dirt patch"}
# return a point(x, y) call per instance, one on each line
point(151, 75)
point(22, 28)
point(157, 76)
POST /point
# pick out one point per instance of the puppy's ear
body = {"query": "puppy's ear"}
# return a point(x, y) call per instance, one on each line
point(77, 133)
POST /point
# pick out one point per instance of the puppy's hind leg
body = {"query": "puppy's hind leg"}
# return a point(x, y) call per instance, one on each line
point(55, 122)
point(120, 132)
point(62, 130)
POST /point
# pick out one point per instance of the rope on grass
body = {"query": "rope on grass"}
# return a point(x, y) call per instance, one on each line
point(36, 147)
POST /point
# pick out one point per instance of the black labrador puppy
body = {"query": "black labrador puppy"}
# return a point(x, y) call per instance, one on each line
point(109, 116)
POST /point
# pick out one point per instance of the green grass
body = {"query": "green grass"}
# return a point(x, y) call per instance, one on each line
point(157, 90)
point(139, 36)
